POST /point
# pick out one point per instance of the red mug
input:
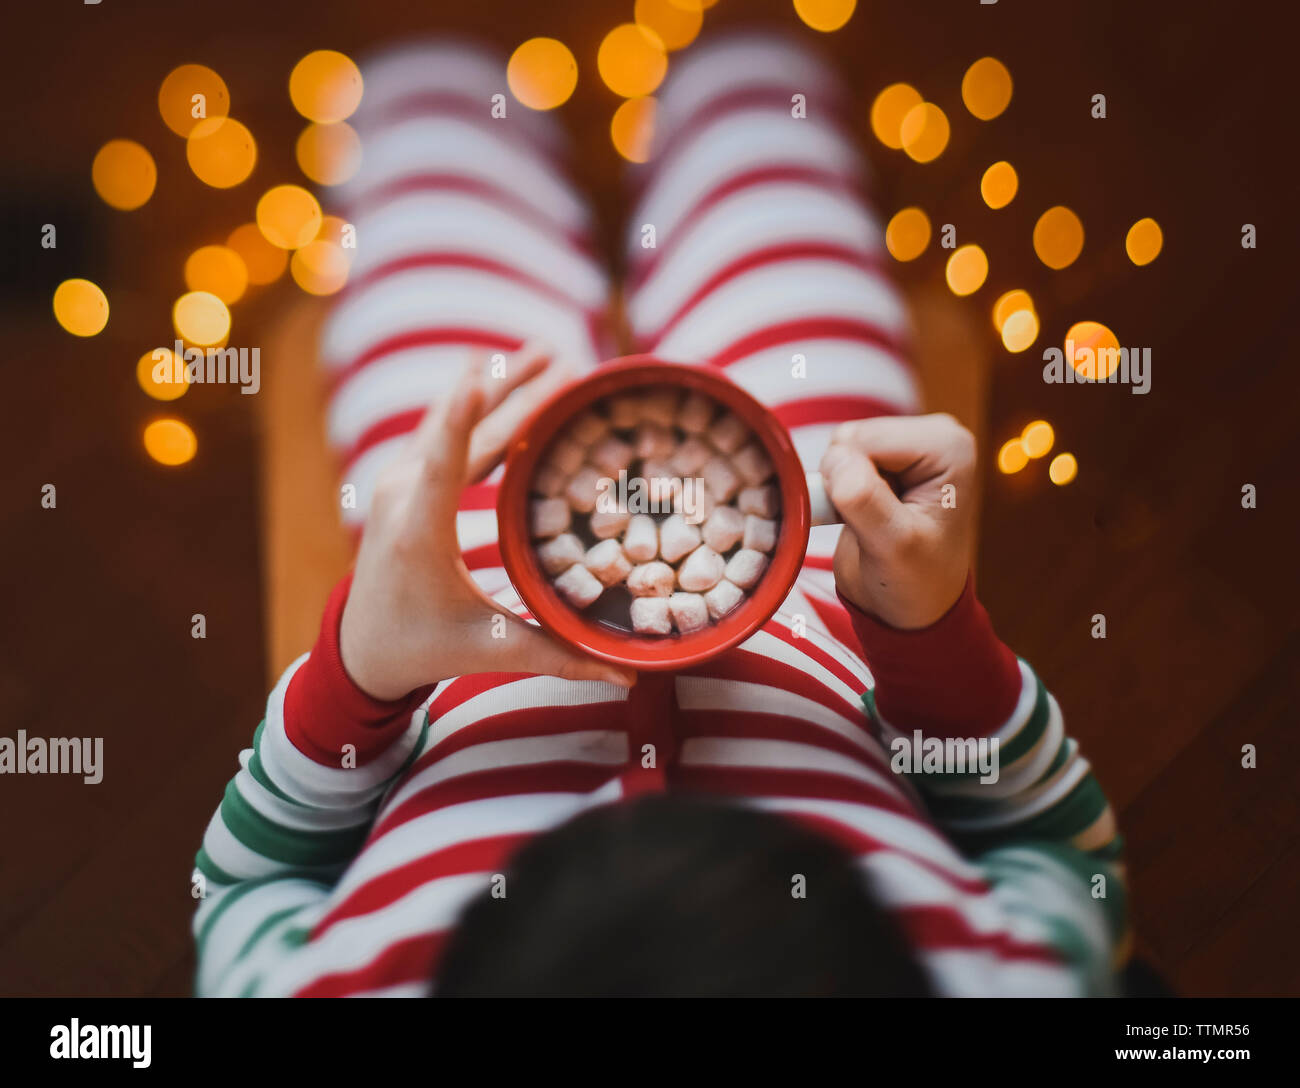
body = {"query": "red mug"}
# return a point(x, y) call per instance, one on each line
point(569, 625)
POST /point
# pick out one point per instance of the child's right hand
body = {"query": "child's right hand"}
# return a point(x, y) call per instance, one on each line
point(906, 554)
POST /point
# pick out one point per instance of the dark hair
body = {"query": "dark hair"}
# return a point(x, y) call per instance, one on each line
point(676, 896)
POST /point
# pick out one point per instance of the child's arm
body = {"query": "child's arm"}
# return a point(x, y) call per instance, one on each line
point(1043, 831)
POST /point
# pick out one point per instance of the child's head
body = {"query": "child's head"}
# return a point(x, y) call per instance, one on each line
point(673, 896)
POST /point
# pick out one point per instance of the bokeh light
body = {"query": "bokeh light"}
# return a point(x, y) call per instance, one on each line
point(289, 216)
point(160, 376)
point(632, 128)
point(170, 442)
point(263, 262)
point(967, 270)
point(1144, 241)
point(218, 270)
point(1037, 438)
point(999, 185)
point(201, 318)
point(1058, 237)
point(1103, 344)
point(329, 154)
point(80, 307)
point(888, 110)
point(1063, 469)
point(1009, 303)
point(907, 234)
point(986, 88)
point(1019, 331)
point(924, 132)
point(320, 267)
point(631, 60)
point(825, 15)
point(542, 73)
point(675, 24)
point(221, 152)
point(124, 174)
point(176, 97)
point(1012, 457)
point(325, 86)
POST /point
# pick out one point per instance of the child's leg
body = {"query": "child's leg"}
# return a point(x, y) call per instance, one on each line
point(767, 260)
point(469, 238)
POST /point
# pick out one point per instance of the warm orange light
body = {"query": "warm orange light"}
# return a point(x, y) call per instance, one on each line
point(219, 270)
point(161, 375)
point(329, 154)
point(1063, 469)
point(1058, 237)
point(80, 307)
point(124, 174)
point(675, 25)
point(170, 442)
point(263, 262)
point(907, 234)
point(986, 88)
point(201, 318)
point(631, 60)
point(1019, 331)
point(325, 86)
point(221, 152)
point(1037, 438)
point(825, 15)
point(999, 184)
point(1144, 241)
point(1096, 349)
point(320, 267)
point(542, 73)
point(924, 132)
point(888, 110)
point(967, 270)
point(288, 216)
point(1008, 303)
point(632, 128)
point(1012, 457)
point(190, 94)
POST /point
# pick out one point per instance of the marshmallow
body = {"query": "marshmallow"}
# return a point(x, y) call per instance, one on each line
point(752, 464)
point(693, 501)
point(548, 517)
point(690, 457)
point(676, 538)
point(587, 428)
point(722, 598)
point(764, 501)
point(728, 434)
point(702, 570)
point(625, 412)
point(608, 523)
point(650, 616)
point(696, 414)
point(560, 553)
point(651, 580)
point(550, 481)
point(566, 455)
point(584, 489)
point(578, 586)
point(607, 562)
point(745, 566)
point(660, 408)
point(689, 612)
point(654, 443)
point(724, 528)
point(611, 455)
point(760, 534)
point(721, 478)
point(641, 542)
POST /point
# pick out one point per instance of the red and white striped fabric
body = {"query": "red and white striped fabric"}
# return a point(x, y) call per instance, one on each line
point(355, 832)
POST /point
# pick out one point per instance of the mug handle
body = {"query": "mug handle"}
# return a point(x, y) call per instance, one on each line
point(823, 511)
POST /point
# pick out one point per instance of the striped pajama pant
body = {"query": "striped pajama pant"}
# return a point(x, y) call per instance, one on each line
point(750, 248)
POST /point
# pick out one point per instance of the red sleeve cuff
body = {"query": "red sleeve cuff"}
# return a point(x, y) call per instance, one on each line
point(953, 678)
point(324, 710)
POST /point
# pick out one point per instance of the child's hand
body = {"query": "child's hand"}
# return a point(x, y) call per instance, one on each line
point(414, 615)
point(905, 554)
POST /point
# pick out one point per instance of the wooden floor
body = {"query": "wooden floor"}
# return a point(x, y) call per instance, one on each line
point(1200, 595)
